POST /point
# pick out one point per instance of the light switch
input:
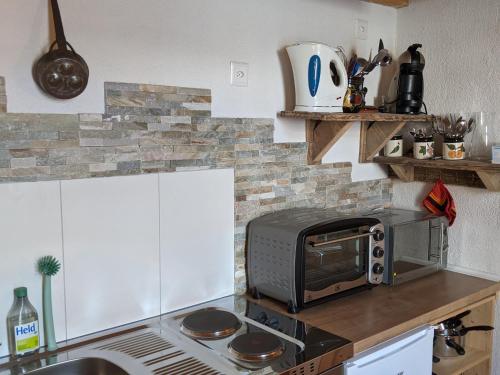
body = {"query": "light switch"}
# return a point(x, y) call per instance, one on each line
point(239, 74)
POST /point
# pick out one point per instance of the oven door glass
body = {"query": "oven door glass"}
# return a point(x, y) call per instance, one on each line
point(334, 262)
point(417, 248)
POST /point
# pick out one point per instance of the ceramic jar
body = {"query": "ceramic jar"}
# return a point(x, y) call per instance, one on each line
point(394, 147)
point(453, 149)
point(423, 147)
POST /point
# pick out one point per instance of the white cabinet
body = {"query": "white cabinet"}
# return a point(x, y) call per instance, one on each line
point(111, 251)
point(196, 237)
point(408, 354)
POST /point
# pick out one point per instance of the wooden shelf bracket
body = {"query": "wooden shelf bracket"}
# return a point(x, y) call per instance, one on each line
point(321, 136)
point(405, 173)
point(374, 136)
point(490, 179)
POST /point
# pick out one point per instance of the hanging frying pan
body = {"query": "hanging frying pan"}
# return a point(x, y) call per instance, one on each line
point(61, 72)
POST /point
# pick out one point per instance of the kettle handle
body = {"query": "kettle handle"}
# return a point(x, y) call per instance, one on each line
point(341, 70)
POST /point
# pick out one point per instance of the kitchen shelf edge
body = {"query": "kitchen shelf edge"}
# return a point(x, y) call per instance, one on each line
point(404, 167)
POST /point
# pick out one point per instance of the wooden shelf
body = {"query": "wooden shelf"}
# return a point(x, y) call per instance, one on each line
point(404, 168)
point(391, 3)
point(323, 130)
point(459, 365)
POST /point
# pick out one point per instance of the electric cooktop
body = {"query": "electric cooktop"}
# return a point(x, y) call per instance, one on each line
point(252, 339)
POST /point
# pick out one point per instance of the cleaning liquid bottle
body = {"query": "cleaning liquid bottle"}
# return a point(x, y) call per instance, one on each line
point(22, 325)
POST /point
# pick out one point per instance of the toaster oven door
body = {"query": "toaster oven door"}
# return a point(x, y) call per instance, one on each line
point(418, 249)
point(335, 262)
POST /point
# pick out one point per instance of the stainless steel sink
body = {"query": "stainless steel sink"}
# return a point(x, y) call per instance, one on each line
point(82, 366)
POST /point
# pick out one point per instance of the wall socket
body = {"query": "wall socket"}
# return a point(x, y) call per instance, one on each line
point(239, 74)
point(361, 29)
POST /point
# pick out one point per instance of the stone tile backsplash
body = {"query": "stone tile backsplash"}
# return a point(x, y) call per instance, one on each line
point(156, 129)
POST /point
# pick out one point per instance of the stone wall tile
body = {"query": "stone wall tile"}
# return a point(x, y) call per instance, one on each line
point(23, 162)
point(156, 129)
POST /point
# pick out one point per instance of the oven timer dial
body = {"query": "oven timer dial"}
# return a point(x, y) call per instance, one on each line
point(378, 252)
point(378, 269)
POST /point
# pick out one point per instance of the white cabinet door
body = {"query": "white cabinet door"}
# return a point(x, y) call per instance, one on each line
point(408, 354)
point(196, 237)
point(30, 227)
point(111, 251)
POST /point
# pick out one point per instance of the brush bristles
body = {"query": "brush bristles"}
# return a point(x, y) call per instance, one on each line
point(48, 265)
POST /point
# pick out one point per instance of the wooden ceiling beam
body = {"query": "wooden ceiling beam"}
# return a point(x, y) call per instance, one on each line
point(390, 3)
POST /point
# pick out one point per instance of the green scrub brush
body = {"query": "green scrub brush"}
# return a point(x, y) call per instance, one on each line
point(48, 266)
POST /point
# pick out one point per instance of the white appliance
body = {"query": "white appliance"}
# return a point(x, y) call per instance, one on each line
point(320, 77)
point(408, 354)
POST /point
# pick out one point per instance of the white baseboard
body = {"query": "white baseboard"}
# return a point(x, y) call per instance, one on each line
point(473, 272)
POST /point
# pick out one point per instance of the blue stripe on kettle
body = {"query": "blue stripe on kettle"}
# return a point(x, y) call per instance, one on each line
point(314, 74)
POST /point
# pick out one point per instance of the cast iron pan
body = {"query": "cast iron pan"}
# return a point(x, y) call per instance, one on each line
point(61, 72)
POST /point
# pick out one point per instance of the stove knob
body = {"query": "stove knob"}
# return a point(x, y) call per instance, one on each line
point(261, 318)
point(378, 252)
point(378, 235)
point(378, 269)
point(274, 323)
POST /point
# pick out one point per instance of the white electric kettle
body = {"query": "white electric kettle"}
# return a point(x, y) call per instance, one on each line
point(320, 77)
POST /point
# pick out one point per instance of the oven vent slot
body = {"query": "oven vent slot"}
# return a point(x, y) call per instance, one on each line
point(305, 369)
point(165, 357)
point(188, 366)
point(139, 346)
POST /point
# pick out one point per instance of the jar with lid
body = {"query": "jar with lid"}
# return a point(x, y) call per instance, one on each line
point(354, 99)
point(423, 147)
point(394, 147)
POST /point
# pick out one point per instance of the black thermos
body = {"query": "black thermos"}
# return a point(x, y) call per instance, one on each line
point(411, 81)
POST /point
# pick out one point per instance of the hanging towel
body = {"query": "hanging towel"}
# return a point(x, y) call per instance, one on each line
point(440, 202)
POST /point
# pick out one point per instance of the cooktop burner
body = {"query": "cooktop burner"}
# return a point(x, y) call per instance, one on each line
point(210, 324)
point(241, 337)
point(256, 347)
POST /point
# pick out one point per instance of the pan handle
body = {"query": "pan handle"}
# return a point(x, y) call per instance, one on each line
point(461, 315)
point(464, 330)
point(454, 345)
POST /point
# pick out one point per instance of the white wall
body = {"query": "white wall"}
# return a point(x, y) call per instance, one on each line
point(461, 43)
point(191, 43)
point(114, 236)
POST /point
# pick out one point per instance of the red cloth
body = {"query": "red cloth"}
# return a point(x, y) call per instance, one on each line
point(440, 202)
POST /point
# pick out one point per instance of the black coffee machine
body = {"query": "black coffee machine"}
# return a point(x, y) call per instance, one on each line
point(411, 81)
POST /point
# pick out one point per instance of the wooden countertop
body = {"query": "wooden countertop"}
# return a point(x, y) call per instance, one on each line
point(373, 316)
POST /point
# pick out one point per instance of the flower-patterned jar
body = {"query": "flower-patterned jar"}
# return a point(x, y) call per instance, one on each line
point(423, 147)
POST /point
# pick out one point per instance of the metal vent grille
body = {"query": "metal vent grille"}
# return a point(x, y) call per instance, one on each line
point(139, 346)
point(188, 366)
point(165, 357)
point(158, 355)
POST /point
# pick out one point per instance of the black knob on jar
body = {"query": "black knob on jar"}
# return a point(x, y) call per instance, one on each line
point(378, 269)
point(378, 235)
point(378, 252)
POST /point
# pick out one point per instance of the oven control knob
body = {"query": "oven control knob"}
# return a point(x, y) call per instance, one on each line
point(378, 252)
point(378, 269)
point(273, 323)
point(378, 235)
point(261, 318)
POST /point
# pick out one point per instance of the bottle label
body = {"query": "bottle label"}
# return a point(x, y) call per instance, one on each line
point(26, 337)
